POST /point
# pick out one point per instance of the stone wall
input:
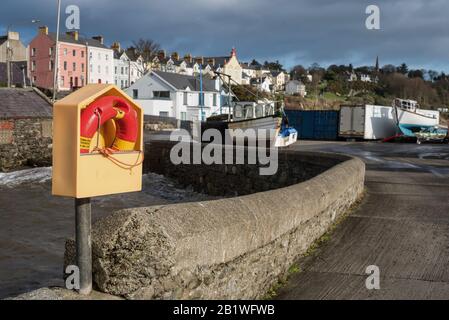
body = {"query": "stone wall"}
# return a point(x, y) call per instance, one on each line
point(232, 179)
point(231, 248)
point(25, 142)
point(156, 123)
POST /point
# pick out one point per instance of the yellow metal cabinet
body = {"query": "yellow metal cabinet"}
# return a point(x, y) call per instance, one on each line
point(88, 175)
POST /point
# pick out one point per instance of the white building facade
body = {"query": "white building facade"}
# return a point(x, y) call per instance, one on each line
point(121, 69)
point(295, 87)
point(100, 61)
point(174, 95)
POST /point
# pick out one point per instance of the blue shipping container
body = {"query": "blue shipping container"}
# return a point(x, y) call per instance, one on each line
point(314, 124)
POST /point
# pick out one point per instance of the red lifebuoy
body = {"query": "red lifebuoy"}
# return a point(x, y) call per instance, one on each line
point(102, 110)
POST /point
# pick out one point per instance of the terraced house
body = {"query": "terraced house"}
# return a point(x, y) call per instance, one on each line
point(81, 60)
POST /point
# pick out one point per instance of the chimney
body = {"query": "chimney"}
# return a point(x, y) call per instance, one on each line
point(175, 56)
point(116, 46)
point(161, 55)
point(73, 34)
point(13, 35)
point(43, 30)
point(99, 39)
point(188, 58)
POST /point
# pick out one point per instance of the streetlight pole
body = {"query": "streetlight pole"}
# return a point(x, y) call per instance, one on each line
point(56, 64)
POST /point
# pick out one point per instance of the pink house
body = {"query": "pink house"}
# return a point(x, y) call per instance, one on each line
point(73, 71)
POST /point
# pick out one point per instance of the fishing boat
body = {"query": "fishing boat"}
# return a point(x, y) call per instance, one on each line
point(410, 118)
point(256, 115)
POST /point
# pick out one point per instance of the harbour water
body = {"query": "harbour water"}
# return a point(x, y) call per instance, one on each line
point(34, 225)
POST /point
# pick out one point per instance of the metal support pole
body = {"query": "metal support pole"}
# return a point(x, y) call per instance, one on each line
point(84, 244)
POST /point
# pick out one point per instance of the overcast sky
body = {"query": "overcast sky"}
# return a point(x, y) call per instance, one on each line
point(291, 31)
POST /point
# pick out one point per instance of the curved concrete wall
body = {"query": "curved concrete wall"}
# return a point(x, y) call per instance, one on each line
point(232, 248)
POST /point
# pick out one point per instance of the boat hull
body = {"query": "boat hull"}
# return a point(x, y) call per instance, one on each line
point(411, 122)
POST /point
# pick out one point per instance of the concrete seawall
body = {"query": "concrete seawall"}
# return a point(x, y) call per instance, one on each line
point(231, 248)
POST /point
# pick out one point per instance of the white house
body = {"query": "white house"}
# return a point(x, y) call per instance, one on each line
point(100, 61)
point(136, 70)
point(121, 69)
point(127, 70)
point(264, 83)
point(295, 87)
point(278, 79)
point(365, 78)
point(175, 95)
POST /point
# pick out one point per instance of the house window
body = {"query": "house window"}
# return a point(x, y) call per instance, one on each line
point(123, 71)
point(51, 65)
point(62, 81)
point(82, 67)
point(65, 51)
point(161, 94)
point(82, 54)
point(90, 55)
point(135, 94)
point(74, 53)
point(214, 100)
point(90, 68)
point(99, 69)
point(185, 98)
point(33, 52)
point(126, 83)
point(33, 66)
point(183, 116)
point(65, 65)
point(74, 66)
point(115, 70)
point(50, 51)
point(163, 114)
point(106, 56)
point(121, 83)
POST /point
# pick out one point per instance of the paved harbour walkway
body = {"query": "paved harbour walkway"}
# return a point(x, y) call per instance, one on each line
point(401, 226)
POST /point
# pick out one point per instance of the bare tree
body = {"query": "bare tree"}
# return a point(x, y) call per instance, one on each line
point(146, 48)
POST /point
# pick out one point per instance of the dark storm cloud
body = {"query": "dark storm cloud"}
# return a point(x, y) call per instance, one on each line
point(293, 31)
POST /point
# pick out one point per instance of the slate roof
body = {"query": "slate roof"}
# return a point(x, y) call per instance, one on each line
point(16, 72)
point(23, 103)
point(63, 37)
point(181, 82)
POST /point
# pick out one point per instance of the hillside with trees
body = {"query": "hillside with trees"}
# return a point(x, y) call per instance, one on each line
point(330, 87)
